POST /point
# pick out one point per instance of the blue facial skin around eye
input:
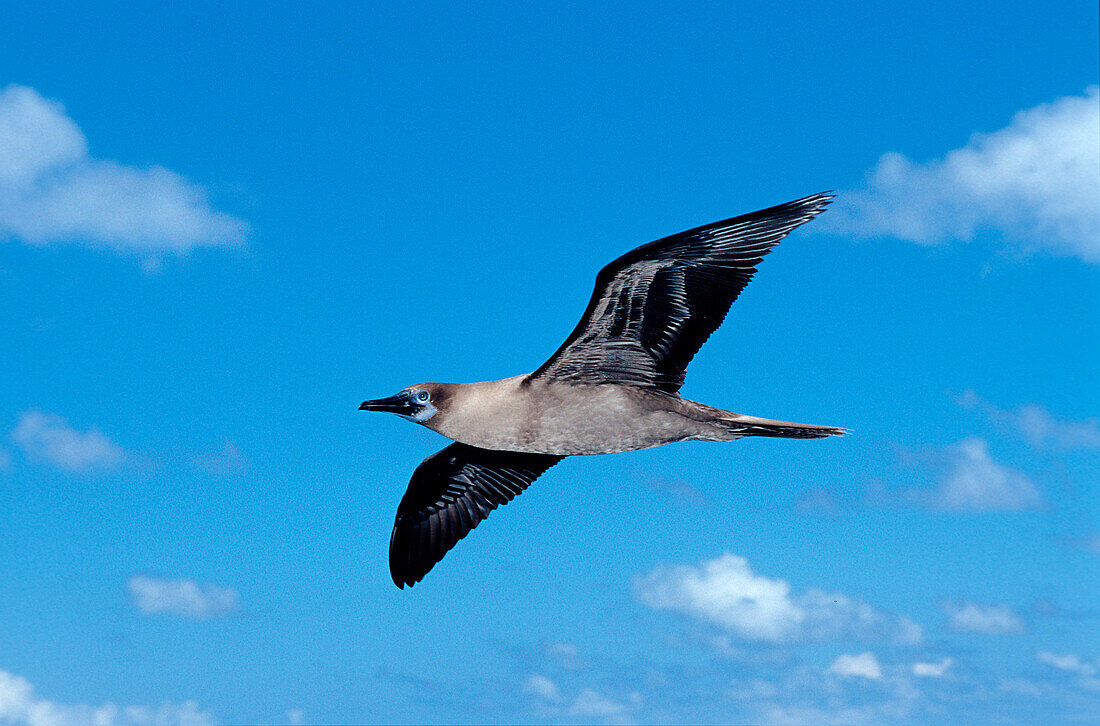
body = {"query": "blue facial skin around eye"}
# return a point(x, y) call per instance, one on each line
point(425, 412)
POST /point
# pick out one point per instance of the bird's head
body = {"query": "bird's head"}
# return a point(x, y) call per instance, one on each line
point(416, 403)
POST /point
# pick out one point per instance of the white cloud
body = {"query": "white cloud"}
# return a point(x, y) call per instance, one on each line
point(990, 619)
point(1035, 181)
point(590, 704)
point(834, 615)
point(1067, 662)
point(50, 438)
point(182, 597)
point(974, 482)
point(855, 689)
point(295, 717)
point(19, 706)
point(541, 686)
point(1037, 425)
point(864, 665)
point(727, 593)
point(933, 670)
point(52, 190)
point(586, 704)
point(788, 685)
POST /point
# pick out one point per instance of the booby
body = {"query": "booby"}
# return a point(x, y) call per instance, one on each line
point(612, 386)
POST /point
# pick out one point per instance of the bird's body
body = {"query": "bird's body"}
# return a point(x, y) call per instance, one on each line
point(612, 386)
point(539, 417)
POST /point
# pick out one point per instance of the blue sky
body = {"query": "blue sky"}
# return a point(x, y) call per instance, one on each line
point(222, 227)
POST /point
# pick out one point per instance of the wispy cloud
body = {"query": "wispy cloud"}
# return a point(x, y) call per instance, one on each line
point(541, 686)
point(53, 190)
point(1036, 182)
point(970, 480)
point(978, 618)
point(1034, 423)
point(48, 437)
point(1083, 673)
point(225, 461)
point(854, 689)
point(1066, 662)
point(864, 665)
point(779, 685)
point(184, 598)
point(565, 655)
point(677, 489)
point(819, 501)
point(20, 706)
point(727, 593)
point(592, 704)
point(587, 704)
point(933, 670)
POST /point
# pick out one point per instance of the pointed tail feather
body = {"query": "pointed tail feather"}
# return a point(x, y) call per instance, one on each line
point(756, 426)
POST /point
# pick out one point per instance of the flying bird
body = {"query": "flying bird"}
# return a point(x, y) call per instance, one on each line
point(612, 386)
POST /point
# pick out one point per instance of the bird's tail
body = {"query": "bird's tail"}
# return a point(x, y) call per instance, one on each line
point(756, 426)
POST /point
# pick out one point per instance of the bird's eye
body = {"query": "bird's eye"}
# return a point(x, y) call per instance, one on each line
point(422, 396)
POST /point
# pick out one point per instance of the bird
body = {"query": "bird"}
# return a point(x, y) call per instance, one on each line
point(612, 386)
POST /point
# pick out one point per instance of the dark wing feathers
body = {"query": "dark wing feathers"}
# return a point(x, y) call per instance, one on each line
point(655, 306)
point(450, 493)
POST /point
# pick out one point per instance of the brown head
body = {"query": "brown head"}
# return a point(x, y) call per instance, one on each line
point(416, 403)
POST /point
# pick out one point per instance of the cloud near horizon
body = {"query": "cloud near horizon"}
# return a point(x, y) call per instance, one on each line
point(726, 592)
point(1035, 181)
point(53, 191)
point(20, 706)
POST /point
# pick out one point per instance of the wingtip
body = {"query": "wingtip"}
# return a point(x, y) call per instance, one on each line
point(402, 583)
point(819, 200)
point(803, 210)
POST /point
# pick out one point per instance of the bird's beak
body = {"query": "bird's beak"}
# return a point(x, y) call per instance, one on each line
point(401, 403)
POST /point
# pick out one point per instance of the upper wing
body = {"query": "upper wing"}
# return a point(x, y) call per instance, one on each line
point(655, 306)
point(450, 493)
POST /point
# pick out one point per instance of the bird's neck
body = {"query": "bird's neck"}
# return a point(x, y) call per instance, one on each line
point(488, 414)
